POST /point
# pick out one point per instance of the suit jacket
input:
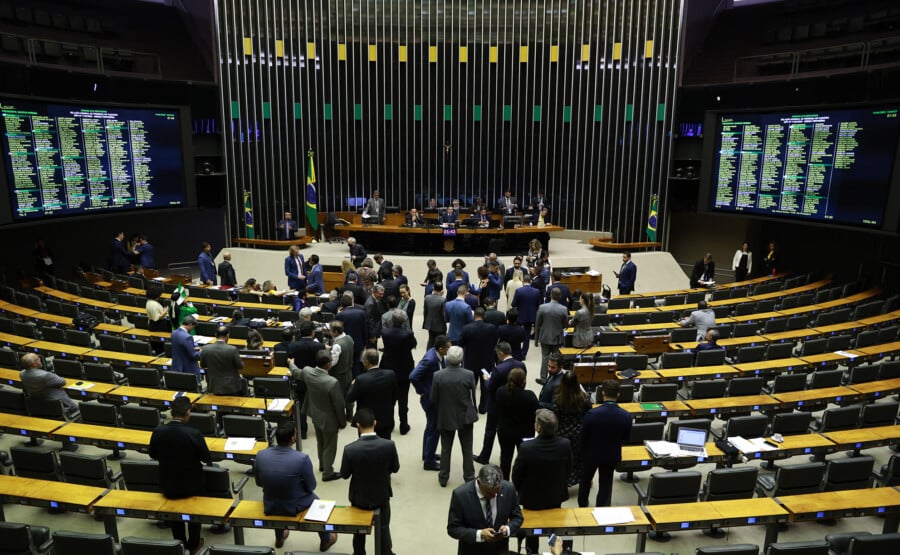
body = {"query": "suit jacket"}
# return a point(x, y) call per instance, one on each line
point(181, 451)
point(466, 517)
point(603, 431)
point(398, 351)
point(375, 309)
point(552, 319)
point(343, 368)
point(541, 472)
point(698, 271)
point(422, 375)
point(515, 335)
point(418, 221)
point(145, 255)
point(495, 317)
point(184, 357)
point(565, 298)
point(293, 272)
point(627, 277)
point(507, 206)
point(409, 308)
point(118, 257)
point(375, 209)
point(702, 320)
point(207, 268)
point(433, 314)
point(498, 379)
point(226, 273)
point(223, 368)
point(584, 334)
point(547, 398)
point(357, 255)
point(324, 398)
point(369, 462)
point(286, 229)
point(458, 313)
point(515, 412)
point(376, 389)
point(354, 319)
point(453, 389)
point(478, 339)
point(41, 384)
point(304, 350)
point(448, 218)
point(527, 300)
point(315, 280)
point(287, 479)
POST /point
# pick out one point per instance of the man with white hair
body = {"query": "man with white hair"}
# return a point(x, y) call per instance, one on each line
point(453, 391)
point(357, 252)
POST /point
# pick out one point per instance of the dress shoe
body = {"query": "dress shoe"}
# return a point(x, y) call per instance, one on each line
point(333, 477)
point(481, 460)
point(540, 381)
point(326, 545)
point(443, 483)
point(303, 435)
point(437, 457)
point(279, 543)
point(404, 429)
point(431, 466)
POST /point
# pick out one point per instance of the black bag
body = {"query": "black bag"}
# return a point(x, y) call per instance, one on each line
point(85, 321)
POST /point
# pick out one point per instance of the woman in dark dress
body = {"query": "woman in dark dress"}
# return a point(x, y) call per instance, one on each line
point(572, 403)
point(515, 416)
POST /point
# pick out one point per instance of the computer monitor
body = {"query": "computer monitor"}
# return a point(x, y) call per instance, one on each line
point(511, 221)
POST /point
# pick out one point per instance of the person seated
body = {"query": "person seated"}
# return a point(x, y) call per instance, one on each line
point(268, 287)
point(431, 207)
point(414, 219)
point(543, 217)
point(450, 217)
point(484, 219)
point(539, 201)
point(712, 341)
point(477, 206)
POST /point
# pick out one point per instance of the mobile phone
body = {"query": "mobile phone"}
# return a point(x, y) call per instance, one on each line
point(485, 373)
point(551, 540)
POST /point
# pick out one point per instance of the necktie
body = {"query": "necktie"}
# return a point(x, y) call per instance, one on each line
point(489, 515)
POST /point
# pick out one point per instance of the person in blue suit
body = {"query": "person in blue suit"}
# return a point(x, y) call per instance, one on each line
point(627, 274)
point(421, 379)
point(144, 251)
point(207, 268)
point(603, 431)
point(184, 354)
point(118, 254)
point(295, 270)
point(458, 313)
point(450, 216)
point(315, 280)
point(527, 300)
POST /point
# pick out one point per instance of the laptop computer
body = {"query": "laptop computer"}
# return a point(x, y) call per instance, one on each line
point(692, 441)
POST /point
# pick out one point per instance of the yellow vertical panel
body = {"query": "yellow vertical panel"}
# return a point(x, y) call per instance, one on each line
point(433, 54)
point(493, 54)
point(463, 54)
point(402, 55)
point(279, 48)
point(373, 52)
point(585, 52)
point(248, 46)
point(342, 52)
point(617, 51)
point(648, 49)
point(554, 53)
point(523, 54)
point(311, 50)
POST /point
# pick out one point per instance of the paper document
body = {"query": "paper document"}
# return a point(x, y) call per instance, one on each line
point(752, 445)
point(319, 511)
point(593, 273)
point(612, 515)
point(159, 278)
point(203, 340)
point(219, 319)
point(278, 405)
point(845, 354)
point(661, 448)
point(239, 444)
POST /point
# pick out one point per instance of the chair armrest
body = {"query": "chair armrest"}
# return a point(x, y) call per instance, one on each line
point(642, 495)
point(239, 486)
point(114, 477)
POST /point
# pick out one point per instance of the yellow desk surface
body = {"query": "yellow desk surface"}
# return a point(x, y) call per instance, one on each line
point(830, 357)
point(645, 327)
point(668, 406)
point(766, 366)
point(882, 349)
point(15, 340)
point(880, 318)
point(53, 318)
point(28, 423)
point(788, 335)
point(18, 310)
point(804, 441)
point(635, 453)
point(697, 373)
point(862, 435)
point(51, 347)
point(217, 445)
point(246, 404)
point(751, 317)
point(646, 376)
point(127, 392)
point(50, 491)
point(677, 513)
point(752, 402)
point(111, 434)
point(838, 393)
point(115, 356)
point(585, 518)
point(746, 508)
point(134, 500)
point(840, 500)
point(572, 351)
point(56, 293)
point(727, 342)
point(129, 308)
point(111, 328)
point(12, 377)
point(210, 507)
point(838, 328)
point(550, 518)
point(340, 516)
point(884, 387)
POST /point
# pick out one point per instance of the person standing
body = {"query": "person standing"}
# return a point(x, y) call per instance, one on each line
point(286, 227)
point(603, 432)
point(288, 482)
point(369, 462)
point(376, 390)
point(627, 274)
point(357, 252)
point(516, 407)
point(184, 353)
point(479, 339)
point(316, 279)
point(374, 211)
point(325, 406)
point(484, 514)
point(494, 383)
point(295, 270)
point(571, 404)
point(581, 321)
point(422, 378)
point(354, 318)
point(704, 273)
point(453, 391)
point(342, 361)
point(181, 451)
point(118, 254)
point(433, 316)
point(542, 466)
point(226, 271)
point(399, 344)
point(770, 262)
point(144, 252)
point(223, 366)
point(547, 397)
point(458, 313)
point(407, 304)
point(207, 267)
point(551, 322)
point(742, 263)
point(42, 384)
point(513, 333)
point(375, 308)
point(527, 300)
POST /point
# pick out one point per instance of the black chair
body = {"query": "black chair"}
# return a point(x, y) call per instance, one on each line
point(54, 334)
point(784, 383)
point(724, 331)
point(77, 543)
point(874, 544)
point(276, 333)
point(98, 372)
point(694, 298)
point(736, 549)
point(68, 368)
point(812, 547)
point(743, 309)
point(50, 408)
point(626, 393)
point(141, 418)
point(239, 332)
point(745, 386)
point(229, 549)
point(862, 374)
point(143, 546)
point(791, 423)
point(683, 335)
point(219, 294)
point(26, 329)
point(272, 388)
point(745, 330)
point(658, 392)
point(635, 362)
point(889, 370)
point(24, 539)
point(207, 328)
point(792, 479)
point(633, 319)
point(141, 476)
point(779, 350)
point(889, 474)
point(848, 473)
point(765, 305)
point(878, 414)
point(775, 325)
point(36, 462)
point(245, 426)
point(825, 378)
point(612, 338)
point(723, 484)
point(137, 347)
point(88, 470)
point(646, 431)
point(866, 339)
point(711, 357)
point(674, 300)
point(798, 322)
point(78, 338)
point(812, 347)
point(8, 357)
point(111, 343)
point(838, 343)
point(143, 377)
point(205, 422)
point(746, 426)
point(837, 419)
point(618, 304)
point(676, 360)
point(666, 488)
point(708, 389)
point(886, 335)
point(102, 414)
point(12, 401)
point(181, 381)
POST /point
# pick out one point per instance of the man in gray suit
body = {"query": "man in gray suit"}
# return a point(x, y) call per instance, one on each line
point(223, 366)
point(453, 391)
point(342, 361)
point(433, 314)
point(325, 406)
point(552, 319)
point(41, 384)
point(374, 209)
point(703, 318)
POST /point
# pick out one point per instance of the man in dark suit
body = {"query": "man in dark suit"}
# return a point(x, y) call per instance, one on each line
point(433, 317)
point(398, 356)
point(421, 378)
point(118, 254)
point(492, 315)
point(552, 319)
point(42, 384)
point(484, 513)
point(295, 270)
point(303, 351)
point(354, 318)
point(527, 300)
point(184, 354)
point(205, 261)
point(226, 271)
point(181, 451)
point(554, 376)
point(704, 272)
point(223, 366)
point(287, 226)
point(627, 274)
point(603, 431)
point(542, 469)
point(357, 252)
point(453, 391)
point(375, 308)
point(414, 219)
point(288, 482)
point(565, 294)
point(507, 204)
point(450, 216)
point(369, 462)
point(376, 390)
point(513, 333)
point(497, 379)
point(479, 339)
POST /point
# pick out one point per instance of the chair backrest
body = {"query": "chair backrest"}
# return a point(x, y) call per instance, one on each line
point(141, 475)
point(87, 470)
point(217, 482)
point(181, 381)
point(658, 392)
point(13, 401)
point(745, 386)
point(676, 360)
point(143, 546)
point(52, 333)
point(735, 549)
point(812, 547)
point(784, 383)
point(635, 362)
point(46, 408)
point(227, 549)
point(799, 478)
point(745, 330)
point(775, 325)
point(205, 422)
point(274, 333)
point(673, 487)
point(68, 368)
point(754, 353)
point(78, 338)
point(694, 298)
point(644, 302)
point(730, 483)
point(765, 305)
point(878, 414)
point(683, 335)
point(863, 374)
point(675, 425)
point(779, 350)
point(111, 342)
point(798, 322)
point(600, 320)
point(141, 418)
point(66, 542)
point(866, 339)
point(875, 544)
point(207, 328)
point(747, 426)
point(626, 393)
point(886, 335)
point(838, 343)
point(8, 357)
point(646, 431)
point(743, 309)
point(245, 426)
point(16, 538)
point(791, 423)
point(104, 414)
point(612, 338)
point(711, 357)
point(143, 377)
point(825, 378)
point(673, 300)
point(239, 332)
point(137, 347)
point(841, 418)
point(618, 304)
point(849, 473)
point(633, 319)
point(98, 372)
point(889, 370)
point(272, 388)
point(36, 462)
point(709, 389)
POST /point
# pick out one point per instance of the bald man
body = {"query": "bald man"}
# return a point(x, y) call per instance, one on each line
point(41, 384)
point(226, 270)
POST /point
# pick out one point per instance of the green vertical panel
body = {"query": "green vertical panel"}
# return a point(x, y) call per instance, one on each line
point(660, 112)
point(298, 110)
point(629, 112)
point(267, 110)
point(235, 109)
point(476, 112)
point(357, 112)
point(388, 112)
point(328, 112)
point(598, 112)
point(537, 113)
point(507, 112)
point(417, 112)
point(567, 114)
point(448, 112)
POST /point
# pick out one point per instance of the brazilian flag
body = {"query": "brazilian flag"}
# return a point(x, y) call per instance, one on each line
point(651, 220)
point(312, 199)
point(248, 216)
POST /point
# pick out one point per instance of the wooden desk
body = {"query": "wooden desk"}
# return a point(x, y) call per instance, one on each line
point(160, 398)
point(800, 444)
point(749, 340)
point(576, 353)
point(22, 311)
point(879, 351)
point(585, 282)
point(111, 329)
point(696, 373)
point(105, 437)
point(636, 458)
point(47, 494)
point(730, 405)
point(49, 291)
point(770, 367)
point(643, 376)
point(681, 516)
point(836, 329)
point(865, 438)
point(58, 349)
point(880, 318)
point(154, 506)
point(217, 449)
point(791, 335)
point(755, 317)
point(798, 399)
point(233, 404)
point(825, 358)
point(633, 328)
point(28, 426)
point(14, 341)
point(118, 359)
point(849, 503)
point(671, 409)
point(876, 389)
point(343, 520)
point(54, 319)
point(581, 522)
point(762, 511)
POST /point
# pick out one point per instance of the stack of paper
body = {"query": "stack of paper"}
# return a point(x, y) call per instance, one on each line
point(320, 510)
point(239, 444)
point(606, 516)
point(753, 445)
point(278, 405)
point(661, 448)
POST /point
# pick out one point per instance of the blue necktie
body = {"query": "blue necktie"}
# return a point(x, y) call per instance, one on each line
point(489, 515)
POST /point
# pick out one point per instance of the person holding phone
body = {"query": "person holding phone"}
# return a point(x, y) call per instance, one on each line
point(484, 513)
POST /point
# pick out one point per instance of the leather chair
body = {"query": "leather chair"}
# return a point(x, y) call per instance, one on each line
point(792, 480)
point(66, 542)
point(143, 546)
point(88, 470)
point(736, 549)
point(24, 539)
point(848, 473)
point(723, 484)
point(889, 474)
point(666, 488)
point(812, 547)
